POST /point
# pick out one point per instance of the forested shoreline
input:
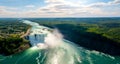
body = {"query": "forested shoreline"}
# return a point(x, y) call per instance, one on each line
point(96, 34)
point(10, 37)
point(101, 34)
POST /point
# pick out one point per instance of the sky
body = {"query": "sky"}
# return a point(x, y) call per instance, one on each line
point(59, 8)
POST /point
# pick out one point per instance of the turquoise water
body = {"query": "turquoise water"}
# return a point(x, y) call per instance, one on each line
point(30, 56)
point(65, 53)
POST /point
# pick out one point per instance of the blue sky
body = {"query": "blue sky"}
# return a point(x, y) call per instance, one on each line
point(59, 8)
point(21, 3)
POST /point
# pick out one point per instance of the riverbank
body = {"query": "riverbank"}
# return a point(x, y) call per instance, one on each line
point(26, 44)
point(25, 34)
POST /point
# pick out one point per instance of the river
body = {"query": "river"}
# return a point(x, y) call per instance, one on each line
point(49, 47)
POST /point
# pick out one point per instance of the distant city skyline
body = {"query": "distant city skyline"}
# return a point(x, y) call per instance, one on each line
point(59, 8)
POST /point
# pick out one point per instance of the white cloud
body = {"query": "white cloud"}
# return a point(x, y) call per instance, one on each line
point(63, 8)
point(115, 2)
point(102, 4)
point(4, 11)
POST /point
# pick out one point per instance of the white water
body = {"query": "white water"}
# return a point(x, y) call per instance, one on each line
point(53, 49)
point(58, 51)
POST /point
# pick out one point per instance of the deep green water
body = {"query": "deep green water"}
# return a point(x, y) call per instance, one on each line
point(86, 57)
point(65, 53)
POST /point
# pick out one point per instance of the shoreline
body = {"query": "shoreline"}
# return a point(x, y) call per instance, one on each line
point(26, 33)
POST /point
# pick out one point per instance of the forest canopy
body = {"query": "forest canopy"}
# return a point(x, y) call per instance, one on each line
point(10, 32)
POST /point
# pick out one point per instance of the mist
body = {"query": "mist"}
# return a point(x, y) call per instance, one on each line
point(54, 39)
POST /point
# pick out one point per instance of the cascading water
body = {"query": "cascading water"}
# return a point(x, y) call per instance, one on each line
point(49, 47)
point(57, 50)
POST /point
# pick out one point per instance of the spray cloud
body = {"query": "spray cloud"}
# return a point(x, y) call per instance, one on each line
point(54, 39)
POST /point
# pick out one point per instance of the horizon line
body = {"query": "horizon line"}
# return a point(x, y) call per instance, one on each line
point(63, 17)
